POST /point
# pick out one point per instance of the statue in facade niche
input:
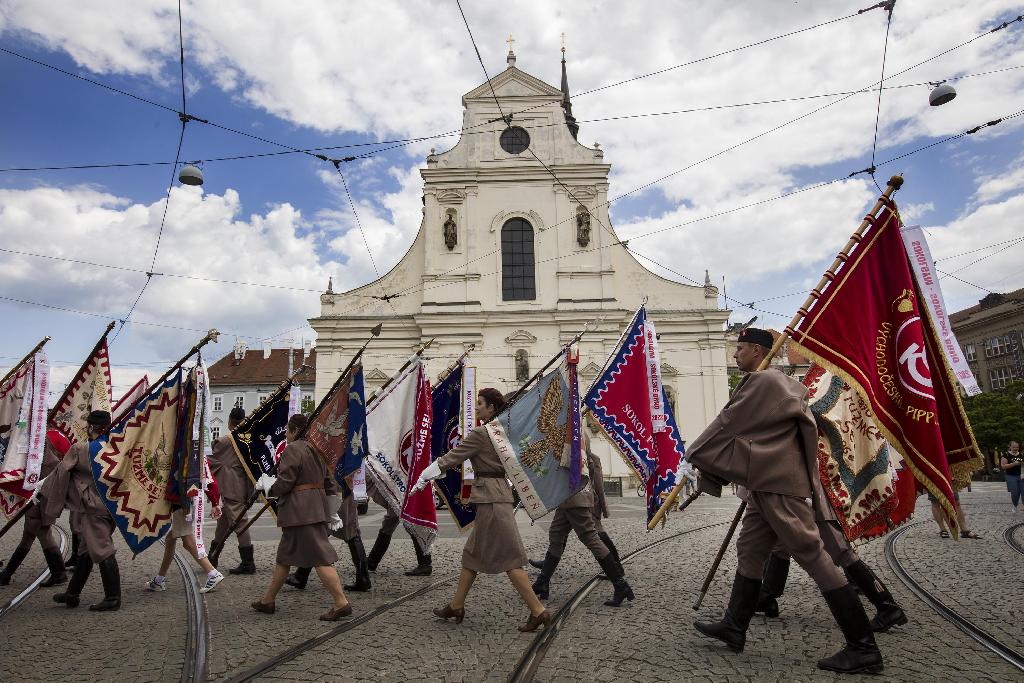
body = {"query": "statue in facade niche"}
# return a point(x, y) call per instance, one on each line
point(583, 227)
point(451, 232)
point(522, 366)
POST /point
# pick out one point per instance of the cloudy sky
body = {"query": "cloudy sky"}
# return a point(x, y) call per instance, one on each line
point(354, 75)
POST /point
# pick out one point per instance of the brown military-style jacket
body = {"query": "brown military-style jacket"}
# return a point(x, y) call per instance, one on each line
point(232, 481)
point(479, 450)
point(302, 486)
point(587, 496)
point(597, 483)
point(764, 439)
point(82, 495)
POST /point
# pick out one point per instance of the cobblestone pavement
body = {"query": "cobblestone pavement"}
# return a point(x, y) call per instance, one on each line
point(649, 639)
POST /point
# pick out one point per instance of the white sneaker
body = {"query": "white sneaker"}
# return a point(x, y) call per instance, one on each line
point(212, 582)
point(1013, 509)
point(154, 585)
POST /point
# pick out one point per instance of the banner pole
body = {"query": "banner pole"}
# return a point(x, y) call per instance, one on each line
point(406, 364)
point(374, 333)
point(721, 553)
point(41, 344)
point(14, 520)
point(893, 185)
point(70, 387)
point(537, 375)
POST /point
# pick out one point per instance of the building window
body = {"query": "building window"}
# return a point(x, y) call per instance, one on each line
point(215, 432)
point(970, 352)
point(517, 274)
point(997, 346)
point(1000, 377)
point(514, 140)
point(240, 401)
point(218, 404)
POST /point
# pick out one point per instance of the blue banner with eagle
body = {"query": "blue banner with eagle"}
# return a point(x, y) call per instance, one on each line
point(538, 440)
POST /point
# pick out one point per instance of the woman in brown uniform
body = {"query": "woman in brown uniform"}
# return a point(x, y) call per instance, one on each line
point(35, 526)
point(94, 524)
point(306, 496)
point(494, 545)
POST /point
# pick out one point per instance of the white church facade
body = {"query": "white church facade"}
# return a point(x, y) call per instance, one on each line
point(515, 259)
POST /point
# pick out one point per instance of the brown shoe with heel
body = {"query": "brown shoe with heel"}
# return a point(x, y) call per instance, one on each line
point(534, 622)
point(448, 612)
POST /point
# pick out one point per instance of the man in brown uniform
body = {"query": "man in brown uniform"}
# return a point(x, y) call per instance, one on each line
point(35, 527)
point(776, 571)
point(95, 525)
point(765, 439)
point(577, 514)
point(235, 491)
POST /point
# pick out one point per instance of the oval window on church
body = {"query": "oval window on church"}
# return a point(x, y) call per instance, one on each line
point(515, 140)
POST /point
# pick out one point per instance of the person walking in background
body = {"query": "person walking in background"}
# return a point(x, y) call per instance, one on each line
point(1010, 463)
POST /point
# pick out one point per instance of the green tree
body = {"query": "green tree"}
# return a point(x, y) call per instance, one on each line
point(997, 417)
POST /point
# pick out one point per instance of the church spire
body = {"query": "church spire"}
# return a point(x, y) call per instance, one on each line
point(570, 120)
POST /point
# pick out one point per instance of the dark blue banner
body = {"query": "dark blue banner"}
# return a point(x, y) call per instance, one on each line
point(356, 445)
point(257, 438)
point(444, 435)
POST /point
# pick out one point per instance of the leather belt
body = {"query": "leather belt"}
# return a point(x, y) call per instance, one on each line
point(309, 487)
point(489, 475)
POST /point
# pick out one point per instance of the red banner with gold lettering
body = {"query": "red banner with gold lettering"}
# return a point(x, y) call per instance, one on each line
point(868, 327)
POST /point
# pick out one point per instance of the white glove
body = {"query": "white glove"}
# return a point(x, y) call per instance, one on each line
point(335, 523)
point(264, 483)
point(430, 472)
point(34, 498)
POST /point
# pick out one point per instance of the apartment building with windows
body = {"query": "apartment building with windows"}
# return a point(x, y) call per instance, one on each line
point(991, 335)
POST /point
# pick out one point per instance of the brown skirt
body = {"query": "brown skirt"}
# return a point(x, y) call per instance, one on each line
point(305, 545)
point(494, 545)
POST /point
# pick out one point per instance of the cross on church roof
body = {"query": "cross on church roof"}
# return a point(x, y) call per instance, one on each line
point(510, 40)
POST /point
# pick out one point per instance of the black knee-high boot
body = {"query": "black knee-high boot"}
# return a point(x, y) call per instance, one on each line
point(542, 585)
point(889, 613)
point(380, 546)
point(17, 557)
point(83, 567)
point(362, 583)
point(773, 585)
point(424, 564)
point(55, 561)
point(613, 570)
point(861, 653)
point(732, 629)
point(299, 577)
point(110, 574)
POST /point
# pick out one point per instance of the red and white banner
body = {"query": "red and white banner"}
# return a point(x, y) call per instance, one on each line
point(394, 424)
point(128, 401)
point(924, 272)
point(88, 390)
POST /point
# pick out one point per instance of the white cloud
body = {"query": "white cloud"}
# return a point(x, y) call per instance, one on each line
point(205, 234)
point(994, 186)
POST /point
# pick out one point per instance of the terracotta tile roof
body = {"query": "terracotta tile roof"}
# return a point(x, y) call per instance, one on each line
point(254, 369)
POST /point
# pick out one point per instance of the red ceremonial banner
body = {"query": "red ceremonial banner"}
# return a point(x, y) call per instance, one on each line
point(418, 511)
point(868, 327)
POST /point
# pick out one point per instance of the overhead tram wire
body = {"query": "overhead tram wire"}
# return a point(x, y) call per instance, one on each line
point(468, 131)
point(184, 118)
point(1004, 25)
point(402, 143)
point(890, 6)
point(426, 288)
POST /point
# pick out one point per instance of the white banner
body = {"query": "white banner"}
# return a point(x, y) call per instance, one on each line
point(924, 272)
point(37, 403)
point(359, 482)
point(294, 400)
point(659, 420)
point(467, 416)
point(390, 421)
point(199, 514)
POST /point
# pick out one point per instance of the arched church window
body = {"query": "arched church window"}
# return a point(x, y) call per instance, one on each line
point(517, 274)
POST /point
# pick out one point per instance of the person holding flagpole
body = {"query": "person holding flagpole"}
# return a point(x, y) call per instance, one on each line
point(57, 445)
point(235, 491)
point(766, 439)
point(95, 525)
point(306, 491)
point(494, 545)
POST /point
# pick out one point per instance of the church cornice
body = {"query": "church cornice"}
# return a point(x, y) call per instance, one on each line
point(520, 337)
